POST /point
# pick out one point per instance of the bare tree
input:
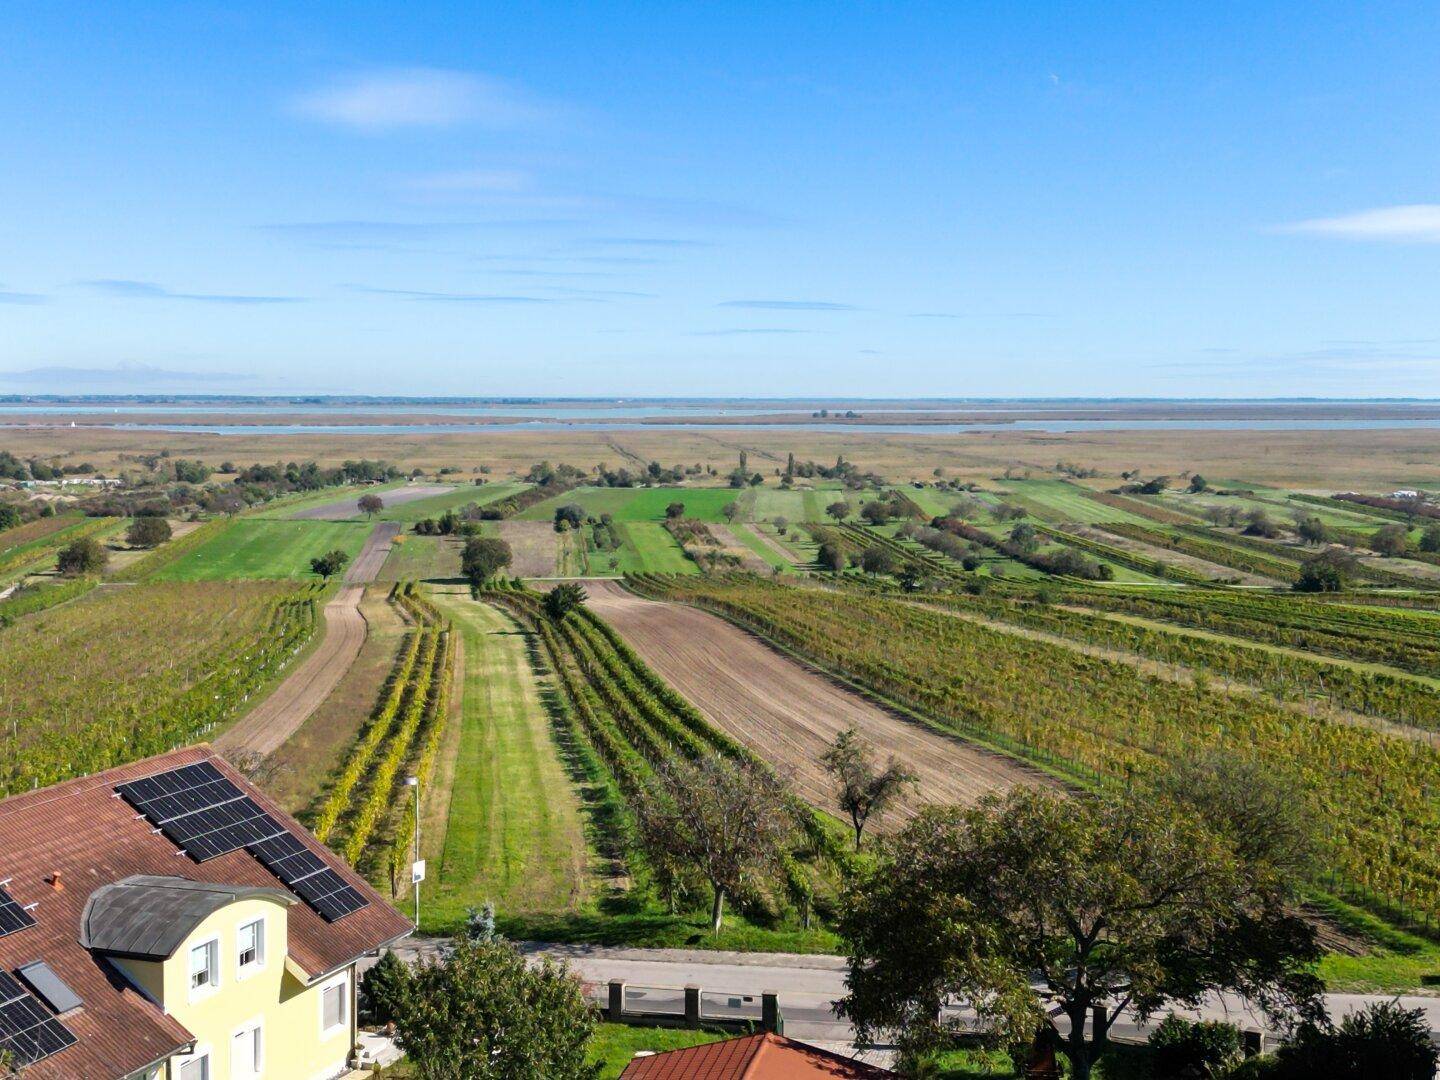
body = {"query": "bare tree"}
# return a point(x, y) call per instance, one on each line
point(861, 789)
point(727, 820)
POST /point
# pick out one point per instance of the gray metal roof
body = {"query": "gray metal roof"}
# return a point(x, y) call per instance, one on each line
point(148, 917)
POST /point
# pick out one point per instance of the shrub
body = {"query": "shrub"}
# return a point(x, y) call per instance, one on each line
point(1185, 1048)
point(381, 989)
point(148, 532)
point(1385, 1041)
point(84, 556)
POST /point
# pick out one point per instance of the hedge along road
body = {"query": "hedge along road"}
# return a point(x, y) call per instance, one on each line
point(347, 508)
point(269, 724)
point(789, 714)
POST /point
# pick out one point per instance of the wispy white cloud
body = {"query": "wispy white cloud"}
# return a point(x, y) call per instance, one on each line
point(743, 331)
point(455, 298)
point(506, 181)
point(788, 305)
point(1418, 223)
point(126, 373)
point(149, 290)
point(7, 297)
point(379, 101)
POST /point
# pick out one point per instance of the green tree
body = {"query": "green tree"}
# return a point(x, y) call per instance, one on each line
point(861, 788)
point(370, 504)
point(839, 509)
point(483, 558)
point(569, 516)
point(563, 599)
point(382, 988)
point(730, 511)
point(84, 556)
point(1430, 538)
point(1197, 484)
point(484, 1013)
point(1092, 906)
point(1384, 1040)
point(148, 532)
point(726, 820)
point(877, 560)
point(329, 564)
point(1312, 530)
point(9, 517)
point(1327, 571)
point(674, 511)
point(1390, 540)
point(876, 512)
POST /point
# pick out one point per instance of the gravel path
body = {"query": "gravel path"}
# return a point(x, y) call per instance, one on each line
point(280, 715)
point(788, 713)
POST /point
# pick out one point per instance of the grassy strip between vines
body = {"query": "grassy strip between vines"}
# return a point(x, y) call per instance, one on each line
point(1375, 795)
point(629, 722)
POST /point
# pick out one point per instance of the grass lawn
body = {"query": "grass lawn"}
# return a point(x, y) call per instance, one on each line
point(637, 504)
point(1121, 1062)
point(514, 833)
point(746, 535)
point(647, 548)
point(256, 548)
point(614, 1045)
point(422, 558)
point(462, 495)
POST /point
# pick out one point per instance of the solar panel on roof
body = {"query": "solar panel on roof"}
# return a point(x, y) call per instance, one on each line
point(200, 811)
point(206, 815)
point(27, 1031)
point(12, 916)
point(308, 876)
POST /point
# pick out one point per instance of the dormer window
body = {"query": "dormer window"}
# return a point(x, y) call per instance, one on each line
point(204, 968)
point(251, 953)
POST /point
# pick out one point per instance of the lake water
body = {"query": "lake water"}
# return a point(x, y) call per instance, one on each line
point(1053, 426)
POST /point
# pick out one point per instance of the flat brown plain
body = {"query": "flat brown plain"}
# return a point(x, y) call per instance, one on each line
point(789, 714)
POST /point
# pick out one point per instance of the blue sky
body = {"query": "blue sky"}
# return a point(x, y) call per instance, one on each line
point(770, 199)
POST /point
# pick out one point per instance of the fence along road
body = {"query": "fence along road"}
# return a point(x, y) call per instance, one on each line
point(266, 727)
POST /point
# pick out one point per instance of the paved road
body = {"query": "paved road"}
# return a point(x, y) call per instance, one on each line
point(346, 508)
point(280, 715)
point(808, 986)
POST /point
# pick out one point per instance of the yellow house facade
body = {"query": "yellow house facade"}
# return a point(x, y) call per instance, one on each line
point(220, 966)
point(166, 921)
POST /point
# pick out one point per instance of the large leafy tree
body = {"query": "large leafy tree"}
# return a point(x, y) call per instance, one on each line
point(483, 1013)
point(726, 821)
point(483, 558)
point(1089, 905)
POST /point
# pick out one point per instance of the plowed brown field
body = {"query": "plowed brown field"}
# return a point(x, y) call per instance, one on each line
point(788, 713)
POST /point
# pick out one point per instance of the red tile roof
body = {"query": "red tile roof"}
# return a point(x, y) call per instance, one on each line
point(752, 1057)
point(91, 837)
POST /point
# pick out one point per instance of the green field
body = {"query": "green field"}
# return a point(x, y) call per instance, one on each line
point(422, 558)
point(637, 504)
point(288, 505)
point(436, 505)
point(259, 548)
point(514, 832)
point(746, 535)
point(1071, 502)
point(646, 547)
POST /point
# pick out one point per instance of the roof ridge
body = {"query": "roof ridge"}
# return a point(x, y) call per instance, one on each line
point(757, 1047)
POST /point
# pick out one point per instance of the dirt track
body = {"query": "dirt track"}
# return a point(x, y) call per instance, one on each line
point(278, 717)
point(346, 508)
point(786, 712)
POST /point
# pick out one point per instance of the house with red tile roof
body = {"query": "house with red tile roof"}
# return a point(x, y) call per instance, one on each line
point(166, 919)
point(751, 1057)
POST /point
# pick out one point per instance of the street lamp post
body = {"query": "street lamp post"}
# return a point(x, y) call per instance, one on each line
point(414, 782)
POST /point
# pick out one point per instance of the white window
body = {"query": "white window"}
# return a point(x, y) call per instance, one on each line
point(334, 1007)
point(251, 954)
point(247, 1052)
point(204, 969)
point(196, 1068)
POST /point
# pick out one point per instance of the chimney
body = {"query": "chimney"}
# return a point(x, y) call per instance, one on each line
point(55, 882)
